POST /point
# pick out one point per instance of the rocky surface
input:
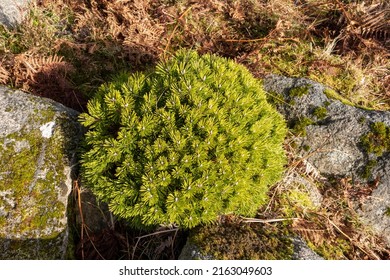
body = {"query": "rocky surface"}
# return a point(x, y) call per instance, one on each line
point(191, 252)
point(340, 141)
point(12, 11)
point(38, 141)
point(300, 251)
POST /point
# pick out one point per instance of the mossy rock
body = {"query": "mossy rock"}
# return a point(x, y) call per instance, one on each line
point(377, 141)
point(37, 144)
point(235, 240)
point(340, 140)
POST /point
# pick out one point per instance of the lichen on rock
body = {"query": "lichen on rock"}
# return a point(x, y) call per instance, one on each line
point(344, 141)
point(35, 175)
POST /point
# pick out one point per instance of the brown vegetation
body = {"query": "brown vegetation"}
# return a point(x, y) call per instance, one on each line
point(342, 43)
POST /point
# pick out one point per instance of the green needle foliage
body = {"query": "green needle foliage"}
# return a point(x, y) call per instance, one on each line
point(192, 140)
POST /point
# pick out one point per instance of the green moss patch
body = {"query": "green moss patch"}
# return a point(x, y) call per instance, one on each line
point(330, 93)
point(320, 112)
point(32, 249)
point(335, 250)
point(232, 240)
point(387, 212)
point(298, 125)
point(377, 141)
point(367, 169)
point(275, 98)
point(299, 91)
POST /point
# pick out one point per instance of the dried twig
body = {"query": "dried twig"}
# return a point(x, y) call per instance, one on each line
point(266, 221)
point(78, 191)
point(375, 256)
point(83, 224)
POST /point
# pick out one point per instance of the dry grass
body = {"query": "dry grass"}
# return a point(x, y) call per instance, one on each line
point(342, 44)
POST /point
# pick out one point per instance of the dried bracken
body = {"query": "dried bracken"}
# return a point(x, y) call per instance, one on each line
point(27, 66)
point(101, 37)
point(46, 76)
point(354, 25)
point(4, 75)
point(125, 23)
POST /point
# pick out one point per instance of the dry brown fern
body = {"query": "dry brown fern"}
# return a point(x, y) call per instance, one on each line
point(4, 75)
point(316, 233)
point(375, 21)
point(47, 76)
point(337, 223)
point(124, 24)
point(356, 25)
point(26, 66)
point(368, 24)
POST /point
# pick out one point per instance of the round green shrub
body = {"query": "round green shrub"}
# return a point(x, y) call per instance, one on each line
point(186, 143)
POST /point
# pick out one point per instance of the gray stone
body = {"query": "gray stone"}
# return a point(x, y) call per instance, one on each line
point(332, 143)
point(302, 251)
point(375, 211)
point(192, 252)
point(12, 12)
point(38, 141)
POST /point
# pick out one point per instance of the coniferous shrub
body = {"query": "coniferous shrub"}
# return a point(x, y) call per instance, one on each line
point(181, 145)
